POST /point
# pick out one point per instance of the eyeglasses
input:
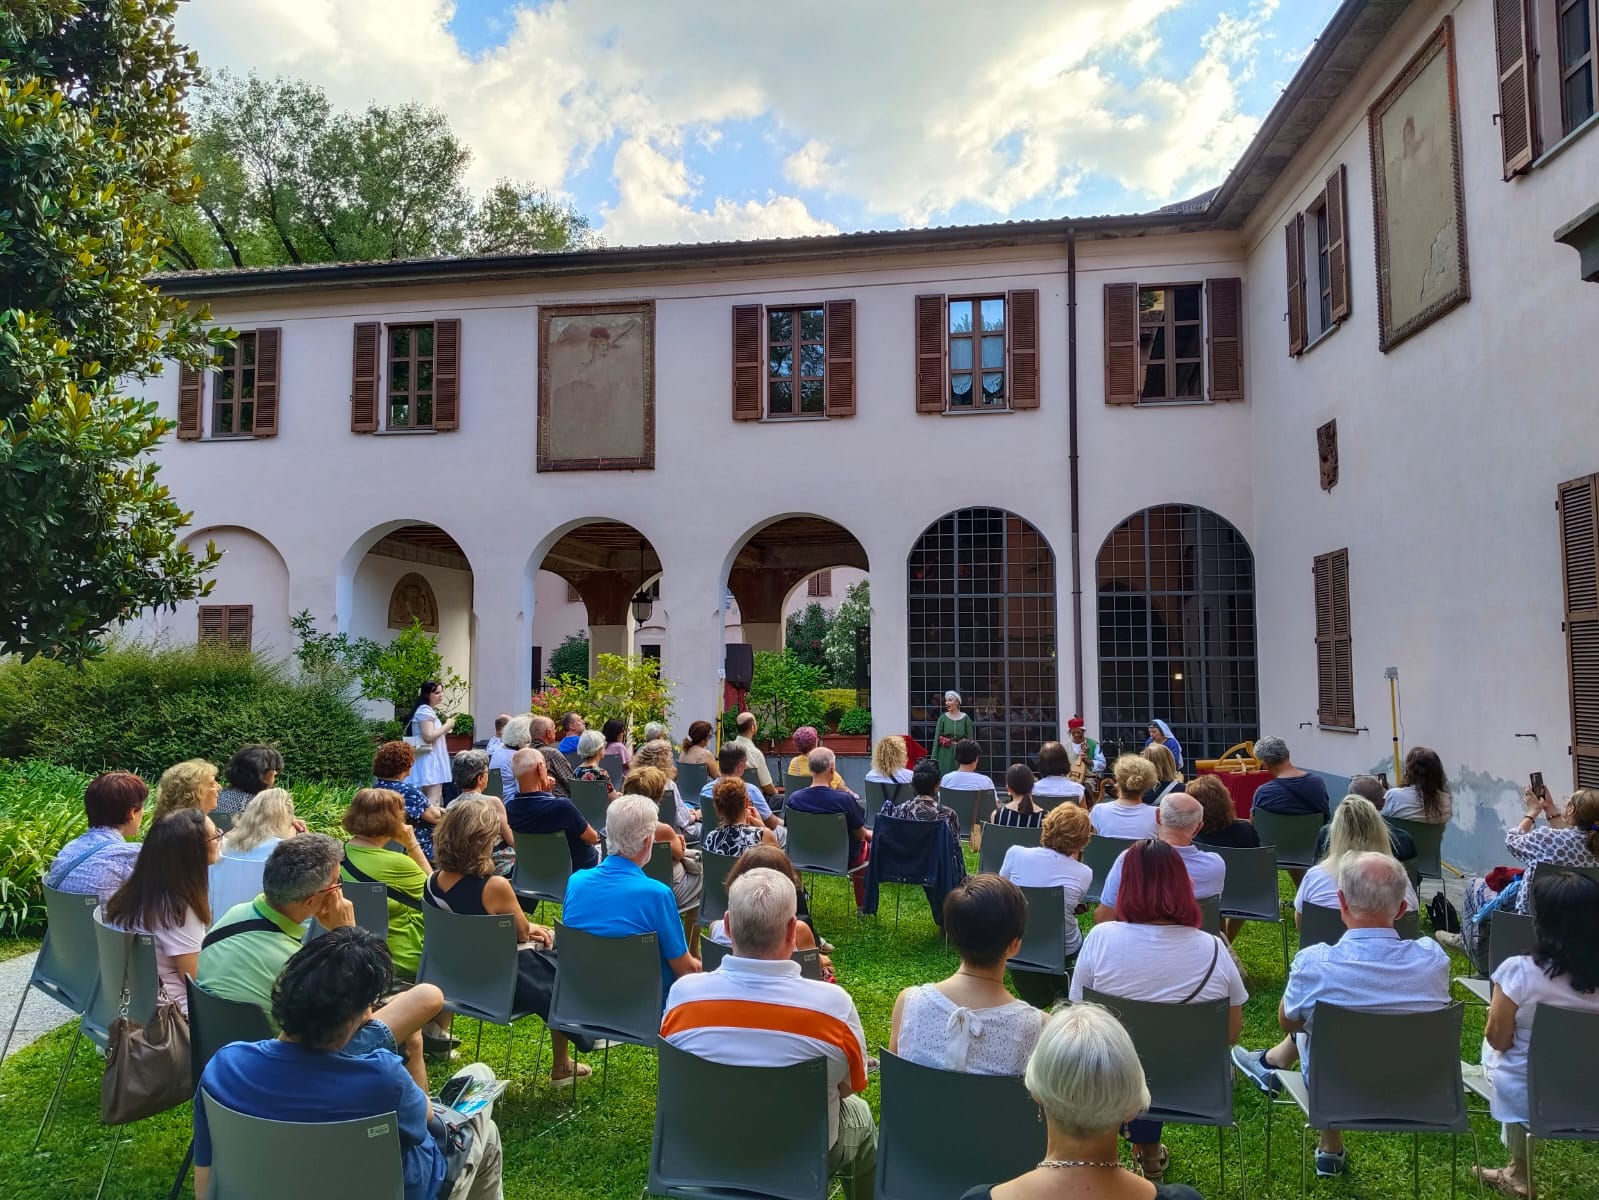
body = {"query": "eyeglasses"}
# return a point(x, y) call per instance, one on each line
point(217, 836)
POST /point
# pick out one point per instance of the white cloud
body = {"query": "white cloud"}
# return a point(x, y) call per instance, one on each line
point(908, 109)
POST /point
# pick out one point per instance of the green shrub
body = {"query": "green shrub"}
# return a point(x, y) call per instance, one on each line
point(783, 694)
point(41, 809)
point(856, 721)
point(144, 708)
point(835, 703)
point(571, 657)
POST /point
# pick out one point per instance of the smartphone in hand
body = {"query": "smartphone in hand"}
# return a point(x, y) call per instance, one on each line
point(1537, 783)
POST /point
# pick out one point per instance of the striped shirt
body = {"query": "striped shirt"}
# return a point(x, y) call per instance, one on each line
point(752, 1012)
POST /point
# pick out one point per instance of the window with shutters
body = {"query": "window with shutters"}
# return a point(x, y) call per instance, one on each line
point(233, 395)
point(1318, 265)
point(1171, 343)
point(1579, 558)
point(1548, 79)
point(977, 353)
point(794, 360)
point(1335, 672)
point(1174, 343)
point(243, 400)
point(1320, 274)
point(820, 584)
point(1574, 26)
point(226, 625)
point(410, 381)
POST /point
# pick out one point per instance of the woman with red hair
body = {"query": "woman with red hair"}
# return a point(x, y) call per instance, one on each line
point(1158, 953)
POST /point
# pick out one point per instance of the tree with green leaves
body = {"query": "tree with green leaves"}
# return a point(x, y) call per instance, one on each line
point(805, 634)
point(570, 658)
point(853, 614)
point(287, 178)
point(93, 141)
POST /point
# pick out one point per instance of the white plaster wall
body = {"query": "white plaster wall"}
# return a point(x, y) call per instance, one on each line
point(1451, 447)
point(374, 584)
point(251, 572)
point(558, 618)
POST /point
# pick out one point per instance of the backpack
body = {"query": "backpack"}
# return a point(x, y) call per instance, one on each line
point(1445, 917)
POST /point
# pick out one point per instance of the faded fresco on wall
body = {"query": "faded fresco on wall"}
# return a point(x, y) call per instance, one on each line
point(1419, 210)
point(597, 387)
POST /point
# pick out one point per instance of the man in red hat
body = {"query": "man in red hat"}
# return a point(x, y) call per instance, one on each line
point(1078, 743)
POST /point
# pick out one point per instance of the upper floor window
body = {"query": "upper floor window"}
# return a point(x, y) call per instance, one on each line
point(1174, 342)
point(415, 367)
point(820, 584)
point(1546, 69)
point(410, 390)
point(1171, 343)
point(1318, 265)
point(1574, 23)
point(244, 390)
point(977, 353)
point(794, 360)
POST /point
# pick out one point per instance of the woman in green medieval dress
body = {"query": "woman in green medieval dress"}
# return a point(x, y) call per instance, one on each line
point(953, 725)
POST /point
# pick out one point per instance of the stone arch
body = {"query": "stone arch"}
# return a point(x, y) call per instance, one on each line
point(777, 555)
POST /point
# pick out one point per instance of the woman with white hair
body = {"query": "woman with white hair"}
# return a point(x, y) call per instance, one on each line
point(264, 822)
point(1085, 1077)
point(1357, 827)
point(518, 732)
point(590, 749)
point(953, 726)
point(654, 731)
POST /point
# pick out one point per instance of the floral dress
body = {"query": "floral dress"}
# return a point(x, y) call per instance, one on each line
point(415, 804)
point(733, 840)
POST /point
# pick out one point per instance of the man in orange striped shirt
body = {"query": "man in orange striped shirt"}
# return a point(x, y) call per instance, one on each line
point(757, 1011)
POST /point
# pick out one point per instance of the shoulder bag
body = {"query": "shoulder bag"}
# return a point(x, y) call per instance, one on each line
point(147, 1066)
point(1215, 957)
point(414, 738)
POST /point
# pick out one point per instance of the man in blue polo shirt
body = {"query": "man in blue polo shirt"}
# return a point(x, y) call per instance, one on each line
point(826, 800)
point(730, 762)
point(536, 809)
point(617, 899)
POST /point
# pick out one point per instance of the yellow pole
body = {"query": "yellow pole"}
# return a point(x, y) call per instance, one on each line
point(1393, 712)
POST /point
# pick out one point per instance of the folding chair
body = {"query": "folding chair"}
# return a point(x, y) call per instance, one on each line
point(543, 865)
point(691, 780)
point(591, 798)
point(1099, 856)
point(1429, 839)
point(1249, 892)
point(606, 988)
point(1043, 948)
point(496, 784)
point(612, 764)
point(819, 843)
point(472, 960)
point(213, 1024)
point(690, 1157)
point(66, 970)
point(1384, 1073)
point(1185, 1051)
point(713, 889)
point(1318, 923)
point(1509, 934)
point(1210, 914)
point(353, 1158)
point(997, 839)
point(1293, 836)
point(918, 1159)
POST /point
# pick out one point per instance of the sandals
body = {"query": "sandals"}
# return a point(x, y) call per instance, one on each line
point(579, 1071)
point(1498, 1178)
point(1156, 1172)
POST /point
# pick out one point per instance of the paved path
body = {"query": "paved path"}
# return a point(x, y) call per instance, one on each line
point(41, 1013)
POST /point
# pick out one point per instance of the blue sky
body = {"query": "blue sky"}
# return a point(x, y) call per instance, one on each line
point(706, 119)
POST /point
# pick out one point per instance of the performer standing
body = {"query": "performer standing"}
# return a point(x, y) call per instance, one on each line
point(953, 725)
point(1078, 743)
point(1160, 734)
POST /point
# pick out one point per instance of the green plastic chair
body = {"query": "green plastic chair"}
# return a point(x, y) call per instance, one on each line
point(997, 839)
point(1429, 839)
point(691, 780)
point(496, 784)
point(350, 1158)
point(591, 798)
point(1043, 948)
point(1099, 856)
point(472, 959)
point(1293, 836)
point(713, 952)
point(613, 767)
point(606, 988)
point(213, 1024)
point(1210, 914)
point(1318, 923)
point(818, 842)
point(970, 808)
point(543, 865)
point(713, 890)
point(1249, 892)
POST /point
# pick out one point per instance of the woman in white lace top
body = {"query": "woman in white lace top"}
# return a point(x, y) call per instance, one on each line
point(969, 1022)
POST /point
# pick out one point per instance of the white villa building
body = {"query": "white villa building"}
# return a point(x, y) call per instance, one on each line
point(1223, 463)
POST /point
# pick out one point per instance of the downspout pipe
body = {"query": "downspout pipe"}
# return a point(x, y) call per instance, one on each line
point(1076, 504)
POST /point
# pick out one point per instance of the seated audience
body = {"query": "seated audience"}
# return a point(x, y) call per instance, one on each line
point(970, 1022)
point(1369, 787)
point(1054, 777)
point(1289, 791)
point(658, 754)
point(518, 732)
point(325, 995)
point(1425, 796)
point(1179, 817)
point(251, 942)
point(771, 857)
point(889, 758)
point(469, 770)
point(166, 896)
point(572, 728)
point(739, 827)
point(1056, 863)
point(735, 1015)
point(391, 767)
point(1158, 953)
point(236, 874)
point(189, 784)
point(1018, 809)
point(1126, 815)
point(617, 899)
point(730, 761)
point(1086, 1078)
point(98, 861)
point(753, 756)
point(806, 739)
point(1570, 840)
point(696, 747)
point(829, 798)
point(922, 804)
point(464, 882)
point(966, 777)
point(1357, 827)
point(590, 749)
point(375, 818)
point(252, 769)
point(1221, 826)
point(612, 731)
point(1370, 967)
point(654, 731)
point(495, 742)
point(1167, 780)
point(1562, 972)
point(537, 809)
point(686, 883)
point(560, 771)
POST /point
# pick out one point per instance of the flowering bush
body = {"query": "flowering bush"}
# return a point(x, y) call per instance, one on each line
point(628, 688)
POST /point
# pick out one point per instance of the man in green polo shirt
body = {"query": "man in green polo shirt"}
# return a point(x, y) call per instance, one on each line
point(245, 951)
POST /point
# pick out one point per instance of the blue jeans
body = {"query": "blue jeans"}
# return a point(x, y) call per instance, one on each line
point(374, 1035)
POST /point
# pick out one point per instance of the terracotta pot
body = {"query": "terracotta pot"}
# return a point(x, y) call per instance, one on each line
point(841, 744)
point(457, 742)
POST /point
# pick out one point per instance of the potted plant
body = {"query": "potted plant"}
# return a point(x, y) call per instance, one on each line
point(854, 734)
point(460, 738)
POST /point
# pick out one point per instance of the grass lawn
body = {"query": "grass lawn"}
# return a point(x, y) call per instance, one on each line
point(604, 1151)
point(16, 947)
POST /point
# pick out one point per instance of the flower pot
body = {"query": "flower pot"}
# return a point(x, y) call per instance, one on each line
point(457, 742)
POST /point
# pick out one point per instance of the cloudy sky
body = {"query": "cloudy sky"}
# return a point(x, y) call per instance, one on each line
point(699, 120)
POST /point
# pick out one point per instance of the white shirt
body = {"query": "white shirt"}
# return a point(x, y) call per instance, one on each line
point(1206, 871)
point(903, 775)
point(966, 781)
point(1058, 787)
point(500, 760)
point(1074, 752)
point(754, 758)
point(1158, 963)
point(1524, 983)
point(936, 1032)
point(1123, 820)
point(1319, 887)
point(726, 1015)
point(1039, 866)
point(1372, 969)
point(236, 875)
point(1404, 804)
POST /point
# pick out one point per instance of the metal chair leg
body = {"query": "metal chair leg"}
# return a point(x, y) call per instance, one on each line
point(510, 1040)
point(1303, 1182)
point(477, 1055)
point(116, 1141)
point(1415, 1165)
point(61, 1082)
point(183, 1171)
point(13, 1030)
point(1243, 1166)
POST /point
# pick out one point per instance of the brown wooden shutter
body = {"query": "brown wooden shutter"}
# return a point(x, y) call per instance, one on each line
point(212, 620)
point(1021, 344)
point(191, 389)
point(1338, 242)
point(238, 622)
point(1518, 93)
point(1335, 680)
point(1294, 233)
point(1225, 319)
point(268, 344)
point(749, 363)
point(1579, 556)
point(932, 371)
point(839, 316)
point(364, 382)
point(1122, 374)
point(446, 375)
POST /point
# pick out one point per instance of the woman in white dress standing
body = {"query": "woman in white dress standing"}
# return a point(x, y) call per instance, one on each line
point(431, 771)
